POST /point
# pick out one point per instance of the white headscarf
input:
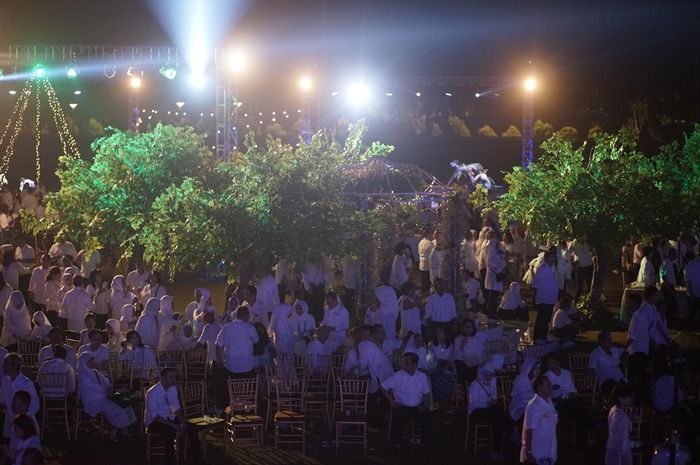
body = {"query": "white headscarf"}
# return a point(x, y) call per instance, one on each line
point(147, 325)
point(166, 322)
point(388, 309)
point(304, 324)
point(128, 311)
point(279, 322)
point(118, 285)
point(511, 299)
point(41, 326)
point(484, 368)
point(16, 324)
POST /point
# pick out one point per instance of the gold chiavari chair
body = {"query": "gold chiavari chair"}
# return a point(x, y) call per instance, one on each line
point(245, 426)
point(289, 420)
point(195, 409)
point(351, 423)
point(54, 401)
point(578, 362)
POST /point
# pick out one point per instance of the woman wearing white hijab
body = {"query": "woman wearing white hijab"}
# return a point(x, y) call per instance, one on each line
point(522, 388)
point(120, 296)
point(203, 307)
point(143, 357)
point(280, 331)
point(147, 324)
point(184, 338)
point(192, 306)
point(512, 305)
point(127, 319)
point(16, 324)
point(92, 390)
point(114, 333)
point(303, 326)
point(166, 322)
point(495, 264)
point(388, 310)
point(40, 331)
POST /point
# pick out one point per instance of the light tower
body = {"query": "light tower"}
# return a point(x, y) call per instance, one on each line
point(305, 85)
point(529, 87)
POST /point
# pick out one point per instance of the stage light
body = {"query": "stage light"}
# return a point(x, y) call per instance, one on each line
point(2, 73)
point(72, 73)
point(134, 72)
point(358, 94)
point(72, 105)
point(389, 94)
point(39, 71)
point(13, 92)
point(197, 80)
point(168, 72)
point(477, 95)
point(179, 104)
point(236, 61)
point(77, 92)
point(448, 94)
point(530, 84)
point(334, 93)
point(135, 82)
point(305, 83)
point(417, 94)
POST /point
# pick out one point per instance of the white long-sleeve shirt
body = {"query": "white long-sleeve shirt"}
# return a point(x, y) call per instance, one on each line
point(8, 387)
point(37, 285)
point(481, 394)
point(76, 304)
point(562, 383)
point(440, 308)
point(425, 248)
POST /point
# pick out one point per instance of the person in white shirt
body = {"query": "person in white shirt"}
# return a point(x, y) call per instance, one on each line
point(435, 261)
point(68, 266)
point(495, 266)
point(618, 450)
point(208, 337)
point(425, 248)
point(27, 435)
point(76, 304)
point(57, 365)
point(522, 388)
point(372, 360)
point(388, 346)
point(128, 321)
point(564, 395)
point(142, 356)
point(388, 311)
point(89, 262)
point(639, 340)
point(400, 266)
point(93, 388)
point(37, 284)
point(303, 326)
point(154, 289)
point(485, 407)
point(100, 352)
point(604, 360)
point(668, 269)
point(120, 296)
point(199, 293)
point(562, 382)
point(318, 352)
point(61, 248)
point(184, 339)
point(65, 287)
point(583, 260)
point(137, 279)
point(258, 313)
point(468, 254)
point(16, 324)
point(471, 288)
point(20, 406)
point(90, 321)
point(409, 309)
point(51, 287)
point(40, 331)
point(56, 338)
point(15, 381)
point(337, 318)
point(539, 439)
point(647, 272)
point(280, 332)
point(205, 306)
point(414, 343)
point(12, 269)
point(512, 305)
point(546, 294)
point(234, 349)
point(268, 294)
point(163, 416)
point(166, 323)
point(147, 324)
point(408, 393)
point(24, 252)
point(470, 352)
point(100, 295)
point(440, 307)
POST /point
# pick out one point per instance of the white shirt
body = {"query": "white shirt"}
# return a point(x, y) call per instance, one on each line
point(640, 328)
point(237, 339)
point(258, 313)
point(474, 350)
point(541, 417)
point(606, 366)
point(410, 316)
point(135, 280)
point(481, 394)
point(407, 390)
point(435, 259)
point(208, 337)
point(268, 294)
point(8, 387)
point(46, 353)
point(545, 281)
point(582, 255)
point(26, 252)
point(161, 402)
point(101, 355)
point(440, 308)
point(619, 429)
point(37, 285)
point(59, 249)
point(425, 248)
point(76, 304)
point(118, 300)
point(58, 366)
point(339, 318)
point(51, 296)
point(562, 383)
point(443, 352)
point(376, 362)
point(520, 395)
point(399, 273)
point(494, 265)
point(647, 273)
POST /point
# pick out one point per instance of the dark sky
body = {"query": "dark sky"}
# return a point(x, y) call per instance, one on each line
point(612, 49)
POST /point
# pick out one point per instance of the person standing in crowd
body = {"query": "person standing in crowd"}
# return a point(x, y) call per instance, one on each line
point(638, 342)
point(61, 248)
point(258, 314)
point(468, 254)
point(268, 295)
point(604, 360)
point(51, 287)
point(12, 269)
point(56, 338)
point(522, 388)
point(388, 311)
point(137, 279)
point(618, 450)
point(66, 286)
point(539, 438)
point(436, 260)
point(647, 271)
point(315, 286)
point(409, 309)
point(400, 266)
point(15, 381)
point(16, 323)
point(408, 393)
point(471, 288)
point(154, 289)
point(208, 337)
point(425, 249)
point(37, 285)
point(373, 360)
point(337, 319)
point(583, 262)
point(166, 323)
point(76, 305)
point(627, 264)
point(512, 305)
point(120, 296)
point(493, 282)
point(99, 293)
point(234, 350)
point(440, 309)
point(546, 290)
point(470, 352)
point(280, 332)
point(485, 407)
point(147, 324)
point(192, 306)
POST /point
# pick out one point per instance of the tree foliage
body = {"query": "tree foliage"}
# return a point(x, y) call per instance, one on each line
point(542, 130)
point(487, 131)
point(512, 131)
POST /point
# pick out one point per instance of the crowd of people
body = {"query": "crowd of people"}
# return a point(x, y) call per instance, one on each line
point(420, 346)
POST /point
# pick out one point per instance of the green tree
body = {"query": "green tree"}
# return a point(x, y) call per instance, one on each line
point(487, 131)
point(458, 126)
point(512, 131)
point(542, 130)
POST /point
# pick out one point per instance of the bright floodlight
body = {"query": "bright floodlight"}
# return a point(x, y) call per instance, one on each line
point(72, 73)
point(135, 82)
point(168, 72)
point(77, 92)
point(197, 80)
point(39, 71)
point(305, 83)
point(236, 61)
point(530, 84)
point(358, 94)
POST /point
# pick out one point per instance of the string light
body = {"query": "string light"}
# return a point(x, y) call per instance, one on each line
point(65, 136)
point(22, 103)
point(37, 130)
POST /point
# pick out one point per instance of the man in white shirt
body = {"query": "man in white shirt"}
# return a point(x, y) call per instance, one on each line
point(639, 341)
point(208, 337)
point(76, 304)
point(440, 307)
point(604, 360)
point(138, 278)
point(318, 351)
point(57, 365)
point(425, 248)
point(337, 319)
point(56, 338)
point(435, 260)
point(62, 247)
point(583, 259)
point(268, 294)
point(25, 252)
point(257, 311)
point(234, 351)
point(387, 346)
point(37, 285)
point(564, 395)
point(546, 292)
point(539, 440)
point(375, 361)
point(163, 416)
point(15, 381)
point(408, 393)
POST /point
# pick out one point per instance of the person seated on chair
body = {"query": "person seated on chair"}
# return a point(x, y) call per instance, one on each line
point(512, 306)
point(163, 416)
point(99, 351)
point(318, 351)
point(522, 388)
point(94, 389)
point(484, 407)
point(56, 337)
point(566, 321)
point(20, 406)
point(13, 382)
point(408, 393)
point(564, 397)
point(24, 428)
point(57, 366)
point(604, 360)
point(142, 356)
